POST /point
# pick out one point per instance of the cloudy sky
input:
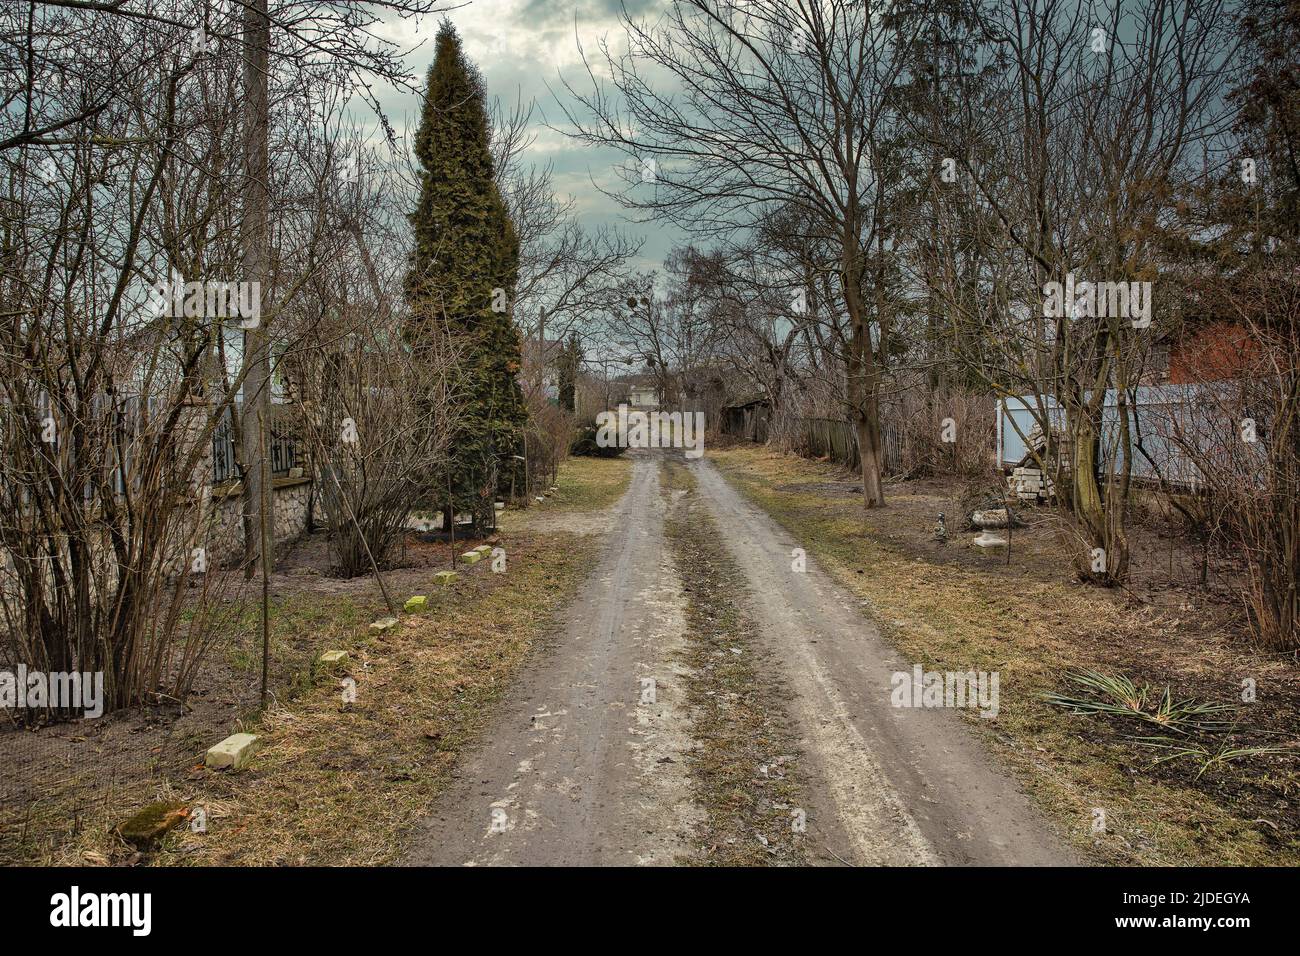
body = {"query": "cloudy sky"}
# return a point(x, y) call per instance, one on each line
point(523, 47)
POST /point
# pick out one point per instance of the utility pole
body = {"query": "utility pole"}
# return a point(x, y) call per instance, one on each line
point(541, 349)
point(539, 384)
point(253, 235)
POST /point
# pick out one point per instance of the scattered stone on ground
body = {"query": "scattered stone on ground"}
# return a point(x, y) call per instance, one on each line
point(233, 752)
point(149, 825)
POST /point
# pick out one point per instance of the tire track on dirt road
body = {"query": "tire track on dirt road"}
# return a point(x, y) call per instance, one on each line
point(582, 766)
point(887, 785)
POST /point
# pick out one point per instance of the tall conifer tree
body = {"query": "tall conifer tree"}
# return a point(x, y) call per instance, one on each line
point(463, 273)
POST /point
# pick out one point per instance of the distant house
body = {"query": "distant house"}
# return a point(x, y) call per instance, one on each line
point(642, 392)
point(1214, 341)
point(1215, 351)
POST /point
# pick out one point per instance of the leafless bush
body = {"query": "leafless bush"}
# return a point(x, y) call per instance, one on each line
point(106, 411)
point(943, 434)
point(376, 417)
point(376, 406)
point(548, 439)
point(118, 173)
point(101, 525)
point(1242, 439)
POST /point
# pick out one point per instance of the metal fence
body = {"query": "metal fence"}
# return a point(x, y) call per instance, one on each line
point(116, 423)
point(1164, 420)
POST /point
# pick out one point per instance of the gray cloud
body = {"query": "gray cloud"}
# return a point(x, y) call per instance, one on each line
point(548, 11)
point(521, 46)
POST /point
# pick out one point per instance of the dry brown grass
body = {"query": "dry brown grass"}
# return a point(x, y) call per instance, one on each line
point(338, 783)
point(590, 484)
point(738, 714)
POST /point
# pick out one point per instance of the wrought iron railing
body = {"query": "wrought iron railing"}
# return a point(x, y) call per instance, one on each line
point(282, 447)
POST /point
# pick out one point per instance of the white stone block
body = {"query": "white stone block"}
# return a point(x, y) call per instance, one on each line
point(233, 752)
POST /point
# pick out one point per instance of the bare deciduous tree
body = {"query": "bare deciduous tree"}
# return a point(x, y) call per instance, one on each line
point(780, 105)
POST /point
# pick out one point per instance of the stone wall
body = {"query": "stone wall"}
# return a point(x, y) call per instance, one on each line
point(289, 502)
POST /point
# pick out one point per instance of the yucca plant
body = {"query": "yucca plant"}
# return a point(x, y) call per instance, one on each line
point(1119, 696)
point(1226, 752)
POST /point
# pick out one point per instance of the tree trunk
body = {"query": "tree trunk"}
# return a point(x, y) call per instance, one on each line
point(869, 447)
point(1103, 532)
point(864, 393)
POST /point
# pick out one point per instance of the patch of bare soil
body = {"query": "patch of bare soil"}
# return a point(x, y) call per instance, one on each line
point(833, 489)
point(1164, 564)
point(308, 567)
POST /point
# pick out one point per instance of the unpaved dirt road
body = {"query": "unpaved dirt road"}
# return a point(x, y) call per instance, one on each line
point(587, 761)
point(577, 769)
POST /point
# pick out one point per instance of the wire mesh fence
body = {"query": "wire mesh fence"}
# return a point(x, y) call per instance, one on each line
point(59, 781)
